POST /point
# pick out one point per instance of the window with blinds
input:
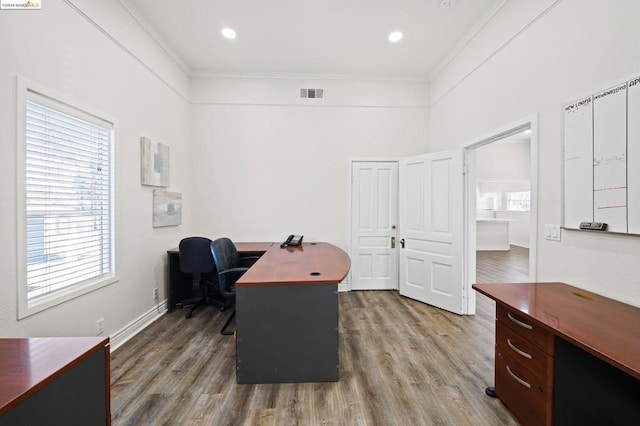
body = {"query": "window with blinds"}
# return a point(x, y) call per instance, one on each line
point(69, 199)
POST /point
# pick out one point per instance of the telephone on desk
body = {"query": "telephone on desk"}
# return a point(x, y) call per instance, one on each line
point(292, 240)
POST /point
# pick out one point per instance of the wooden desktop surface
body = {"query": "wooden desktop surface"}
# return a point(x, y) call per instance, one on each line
point(29, 364)
point(608, 329)
point(310, 263)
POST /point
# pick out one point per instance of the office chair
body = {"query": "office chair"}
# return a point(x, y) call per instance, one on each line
point(230, 267)
point(196, 259)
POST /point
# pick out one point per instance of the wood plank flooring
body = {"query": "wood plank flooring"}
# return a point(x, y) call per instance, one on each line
point(510, 266)
point(401, 363)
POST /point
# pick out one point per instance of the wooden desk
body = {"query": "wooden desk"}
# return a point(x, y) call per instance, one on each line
point(58, 380)
point(287, 315)
point(179, 285)
point(565, 355)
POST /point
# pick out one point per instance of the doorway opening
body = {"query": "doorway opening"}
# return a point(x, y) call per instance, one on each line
point(501, 189)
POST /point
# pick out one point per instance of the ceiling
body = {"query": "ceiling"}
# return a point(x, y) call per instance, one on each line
point(313, 38)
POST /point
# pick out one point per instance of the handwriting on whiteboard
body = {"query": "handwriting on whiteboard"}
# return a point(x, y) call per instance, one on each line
point(610, 159)
point(610, 91)
point(575, 107)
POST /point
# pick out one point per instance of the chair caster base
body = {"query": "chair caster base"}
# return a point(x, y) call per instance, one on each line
point(224, 330)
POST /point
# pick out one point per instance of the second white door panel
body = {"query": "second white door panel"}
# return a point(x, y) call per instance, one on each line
point(374, 217)
point(431, 204)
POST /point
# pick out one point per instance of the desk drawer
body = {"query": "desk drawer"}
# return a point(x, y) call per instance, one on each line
point(522, 391)
point(525, 328)
point(521, 350)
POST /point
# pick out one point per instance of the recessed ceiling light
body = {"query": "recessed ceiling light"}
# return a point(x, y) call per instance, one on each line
point(395, 36)
point(228, 33)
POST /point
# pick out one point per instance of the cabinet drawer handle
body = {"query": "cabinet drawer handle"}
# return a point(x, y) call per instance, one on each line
point(518, 379)
point(518, 351)
point(520, 323)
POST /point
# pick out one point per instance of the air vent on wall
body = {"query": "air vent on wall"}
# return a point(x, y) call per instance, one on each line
point(311, 93)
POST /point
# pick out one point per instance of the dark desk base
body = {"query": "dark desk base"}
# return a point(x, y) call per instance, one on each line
point(181, 288)
point(179, 284)
point(287, 333)
point(588, 391)
point(79, 396)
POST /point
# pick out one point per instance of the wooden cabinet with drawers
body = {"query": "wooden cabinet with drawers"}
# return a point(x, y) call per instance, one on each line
point(524, 367)
point(565, 356)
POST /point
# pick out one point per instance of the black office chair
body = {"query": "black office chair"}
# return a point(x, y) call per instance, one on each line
point(196, 259)
point(230, 267)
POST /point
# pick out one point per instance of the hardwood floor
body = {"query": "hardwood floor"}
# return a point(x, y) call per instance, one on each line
point(401, 363)
point(503, 266)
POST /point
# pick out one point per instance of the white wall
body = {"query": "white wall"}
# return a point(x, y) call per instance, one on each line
point(75, 49)
point(252, 160)
point(576, 47)
point(503, 162)
point(268, 164)
point(505, 167)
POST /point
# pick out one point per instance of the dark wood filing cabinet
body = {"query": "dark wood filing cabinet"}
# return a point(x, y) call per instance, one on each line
point(524, 367)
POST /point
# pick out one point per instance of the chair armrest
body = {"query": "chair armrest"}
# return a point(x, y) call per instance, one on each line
point(247, 261)
point(231, 275)
point(234, 271)
point(228, 278)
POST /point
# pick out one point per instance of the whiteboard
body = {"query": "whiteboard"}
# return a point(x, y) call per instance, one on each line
point(601, 159)
point(610, 158)
point(578, 163)
point(633, 156)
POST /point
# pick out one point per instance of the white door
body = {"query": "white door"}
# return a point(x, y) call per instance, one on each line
point(374, 204)
point(431, 228)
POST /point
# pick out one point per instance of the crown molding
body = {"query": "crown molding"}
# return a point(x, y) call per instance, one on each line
point(419, 78)
point(72, 4)
point(462, 43)
point(150, 29)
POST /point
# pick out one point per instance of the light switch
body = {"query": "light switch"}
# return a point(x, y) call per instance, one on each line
point(552, 232)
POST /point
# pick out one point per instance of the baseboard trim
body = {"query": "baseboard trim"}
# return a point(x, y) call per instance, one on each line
point(123, 335)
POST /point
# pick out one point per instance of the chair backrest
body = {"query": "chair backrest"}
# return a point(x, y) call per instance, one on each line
point(195, 255)
point(225, 256)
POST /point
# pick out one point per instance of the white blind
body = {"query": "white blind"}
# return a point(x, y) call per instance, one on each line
point(68, 198)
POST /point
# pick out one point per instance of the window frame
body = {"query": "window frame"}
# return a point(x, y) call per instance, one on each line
point(27, 90)
point(508, 198)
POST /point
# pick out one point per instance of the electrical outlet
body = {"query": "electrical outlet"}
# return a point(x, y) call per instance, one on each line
point(100, 326)
point(155, 293)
